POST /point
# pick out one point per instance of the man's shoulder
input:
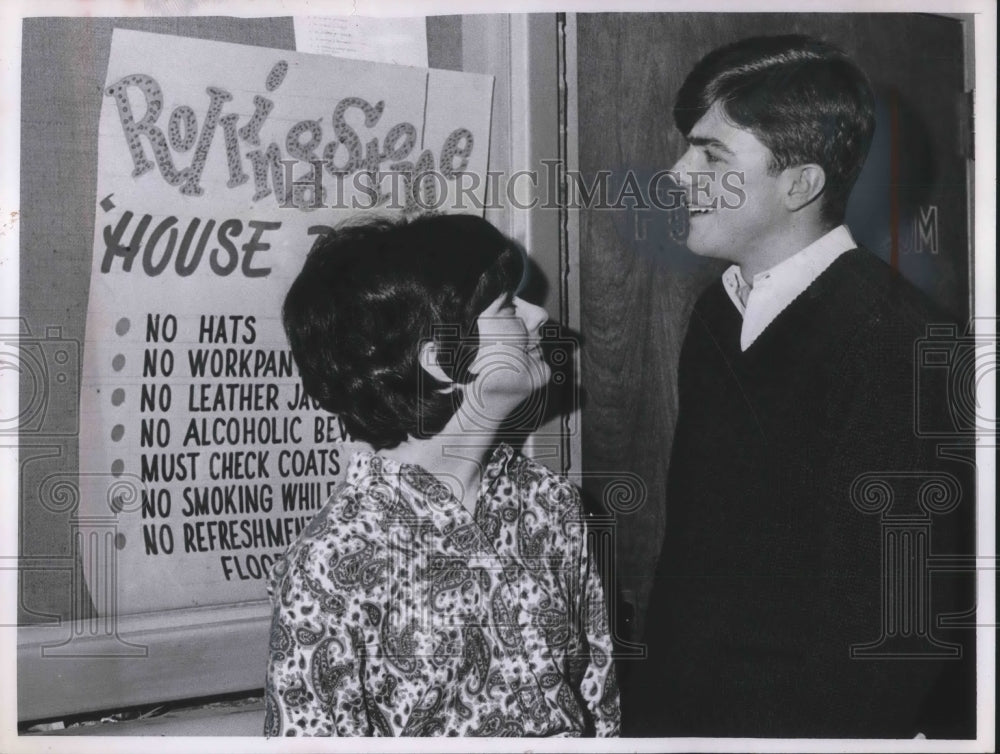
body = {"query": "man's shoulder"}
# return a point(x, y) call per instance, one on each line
point(860, 303)
point(861, 282)
point(876, 319)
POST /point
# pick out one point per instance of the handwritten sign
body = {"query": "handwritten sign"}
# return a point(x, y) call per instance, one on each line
point(218, 167)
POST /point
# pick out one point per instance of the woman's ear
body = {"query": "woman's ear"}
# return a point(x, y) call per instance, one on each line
point(429, 359)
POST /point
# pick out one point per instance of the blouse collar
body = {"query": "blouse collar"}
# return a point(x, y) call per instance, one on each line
point(408, 489)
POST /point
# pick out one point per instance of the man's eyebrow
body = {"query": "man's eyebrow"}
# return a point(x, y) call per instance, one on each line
point(704, 141)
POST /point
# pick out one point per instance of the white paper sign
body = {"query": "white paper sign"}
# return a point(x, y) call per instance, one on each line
point(402, 41)
point(218, 166)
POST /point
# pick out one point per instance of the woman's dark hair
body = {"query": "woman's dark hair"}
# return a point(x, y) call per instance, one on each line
point(370, 293)
point(803, 99)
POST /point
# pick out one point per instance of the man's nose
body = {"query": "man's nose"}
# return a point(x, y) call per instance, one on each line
point(680, 169)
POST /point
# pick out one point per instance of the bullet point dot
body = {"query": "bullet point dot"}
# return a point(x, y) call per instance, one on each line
point(120, 541)
point(117, 467)
point(118, 362)
point(123, 325)
point(117, 432)
point(118, 397)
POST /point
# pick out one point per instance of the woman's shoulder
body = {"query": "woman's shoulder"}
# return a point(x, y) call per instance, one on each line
point(537, 483)
point(343, 512)
point(343, 525)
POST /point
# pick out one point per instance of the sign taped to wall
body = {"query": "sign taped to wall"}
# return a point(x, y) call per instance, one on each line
point(219, 165)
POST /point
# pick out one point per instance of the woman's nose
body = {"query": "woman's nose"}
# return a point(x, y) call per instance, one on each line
point(534, 316)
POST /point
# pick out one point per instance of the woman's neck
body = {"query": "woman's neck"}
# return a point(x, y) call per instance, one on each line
point(455, 456)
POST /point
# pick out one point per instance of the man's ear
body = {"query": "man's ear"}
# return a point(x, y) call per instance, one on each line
point(805, 183)
point(429, 359)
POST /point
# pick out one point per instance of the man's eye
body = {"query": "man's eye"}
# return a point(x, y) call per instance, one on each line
point(712, 158)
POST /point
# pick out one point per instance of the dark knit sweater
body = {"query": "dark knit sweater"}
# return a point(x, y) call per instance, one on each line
point(768, 573)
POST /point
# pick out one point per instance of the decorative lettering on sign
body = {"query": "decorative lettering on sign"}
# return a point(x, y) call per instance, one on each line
point(304, 145)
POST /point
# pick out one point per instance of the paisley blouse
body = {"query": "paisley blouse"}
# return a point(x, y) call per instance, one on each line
point(398, 612)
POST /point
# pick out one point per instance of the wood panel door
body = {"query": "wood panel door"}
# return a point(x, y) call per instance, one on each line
point(638, 283)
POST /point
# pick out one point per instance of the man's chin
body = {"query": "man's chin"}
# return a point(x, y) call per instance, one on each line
point(708, 251)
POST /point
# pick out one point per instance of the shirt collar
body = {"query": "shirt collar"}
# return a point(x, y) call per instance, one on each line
point(774, 289)
point(408, 489)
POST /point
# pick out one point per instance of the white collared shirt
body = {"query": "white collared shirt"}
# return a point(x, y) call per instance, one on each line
point(774, 289)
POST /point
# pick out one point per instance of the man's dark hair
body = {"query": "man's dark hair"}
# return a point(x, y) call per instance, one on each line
point(804, 99)
point(371, 293)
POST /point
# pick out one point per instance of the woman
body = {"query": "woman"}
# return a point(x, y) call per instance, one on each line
point(446, 587)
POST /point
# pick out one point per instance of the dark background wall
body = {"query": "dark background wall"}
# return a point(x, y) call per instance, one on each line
point(638, 285)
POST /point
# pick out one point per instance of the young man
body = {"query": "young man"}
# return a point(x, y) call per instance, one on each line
point(796, 389)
